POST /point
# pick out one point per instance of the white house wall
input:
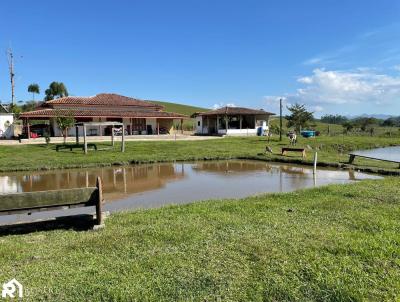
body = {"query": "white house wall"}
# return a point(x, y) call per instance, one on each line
point(5, 125)
point(153, 123)
point(203, 129)
point(127, 121)
point(199, 125)
point(238, 132)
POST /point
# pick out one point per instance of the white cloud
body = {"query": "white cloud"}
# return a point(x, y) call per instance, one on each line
point(273, 100)
point(314, 61)
point(332, 56)
point(305, 80)
point(272, 103)
point(378, 47)
point(317, 108)
point(346, 87)
point(220, 105)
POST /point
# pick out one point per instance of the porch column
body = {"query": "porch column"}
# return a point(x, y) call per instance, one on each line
point(255, 122)
point(226, 124)
point(84, 138)
point(123, 139)
point(28, 128)
point(112, 136)
point(182, 125)
point(77, 134)
point(158, 126)
point(131, 126)
point(240, 121)
point(217, 123)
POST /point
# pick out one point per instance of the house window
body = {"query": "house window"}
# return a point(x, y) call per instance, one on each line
point(198, 123)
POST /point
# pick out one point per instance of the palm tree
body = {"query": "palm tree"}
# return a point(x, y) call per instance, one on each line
point(34, 88)
point(55, 90)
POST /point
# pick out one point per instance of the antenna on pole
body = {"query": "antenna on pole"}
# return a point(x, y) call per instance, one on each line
point(10, 59)
point(280, 119)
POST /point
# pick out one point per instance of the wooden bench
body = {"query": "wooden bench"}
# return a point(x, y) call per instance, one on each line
point(70, 147)
point(29, 202)
point(286, 149)
point(353, 156)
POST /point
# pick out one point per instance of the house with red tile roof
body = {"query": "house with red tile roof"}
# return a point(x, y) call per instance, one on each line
point(232, 121)
point(138, 116)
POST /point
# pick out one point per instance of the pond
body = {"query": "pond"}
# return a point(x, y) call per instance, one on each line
point(388, 153)
point(155, 185)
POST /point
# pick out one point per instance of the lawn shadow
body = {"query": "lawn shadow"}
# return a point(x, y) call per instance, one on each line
point(82, 222)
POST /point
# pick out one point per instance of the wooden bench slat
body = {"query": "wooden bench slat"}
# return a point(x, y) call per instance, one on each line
point(286, 149)
point(293, 149)
point(32, 200)
point(29, 202)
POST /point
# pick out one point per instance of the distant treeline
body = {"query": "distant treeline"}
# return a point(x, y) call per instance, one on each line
point(361, 122)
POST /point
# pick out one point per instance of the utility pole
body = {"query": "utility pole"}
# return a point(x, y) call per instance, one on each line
point(10, 59)
point(280, 119)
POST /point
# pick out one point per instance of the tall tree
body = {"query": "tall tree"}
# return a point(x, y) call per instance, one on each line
point(55, 90)
point(299, 116)
point(64, 120)
point(348, 126)
point(334, 119)
point(365, 123)
point(29, 106)
point(34, 88)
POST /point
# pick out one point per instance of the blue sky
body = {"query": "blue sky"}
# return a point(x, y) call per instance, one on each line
point(337, 56)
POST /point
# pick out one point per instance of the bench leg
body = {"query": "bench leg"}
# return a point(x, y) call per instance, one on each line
point(99, 213)
point(351, 159)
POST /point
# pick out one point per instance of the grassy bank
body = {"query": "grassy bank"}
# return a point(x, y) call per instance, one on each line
point(331, 150)
point(180, 108)
point(335, 243)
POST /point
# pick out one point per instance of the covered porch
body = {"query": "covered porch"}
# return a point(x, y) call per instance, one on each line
point(232, 121)
point(230, 124)
point(97, 127)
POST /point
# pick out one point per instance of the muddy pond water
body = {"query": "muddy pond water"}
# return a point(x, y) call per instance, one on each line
point(387, 153)
point(155, 185)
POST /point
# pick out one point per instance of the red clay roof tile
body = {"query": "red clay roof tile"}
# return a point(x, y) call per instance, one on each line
point(235, 110)
point(102, 99)
point(49, 112)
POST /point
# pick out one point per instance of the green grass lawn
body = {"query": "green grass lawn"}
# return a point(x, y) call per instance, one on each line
point(334, 243)
point(331, 150)
point(335, 129)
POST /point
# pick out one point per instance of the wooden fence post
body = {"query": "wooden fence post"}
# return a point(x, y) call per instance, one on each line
point(99, 214)
point(123, 139)
point(84, 138)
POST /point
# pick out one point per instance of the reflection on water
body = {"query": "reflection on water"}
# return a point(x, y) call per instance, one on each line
point(154, 185)
point(117, 182)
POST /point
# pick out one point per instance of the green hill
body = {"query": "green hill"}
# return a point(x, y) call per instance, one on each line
point(180, 108)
